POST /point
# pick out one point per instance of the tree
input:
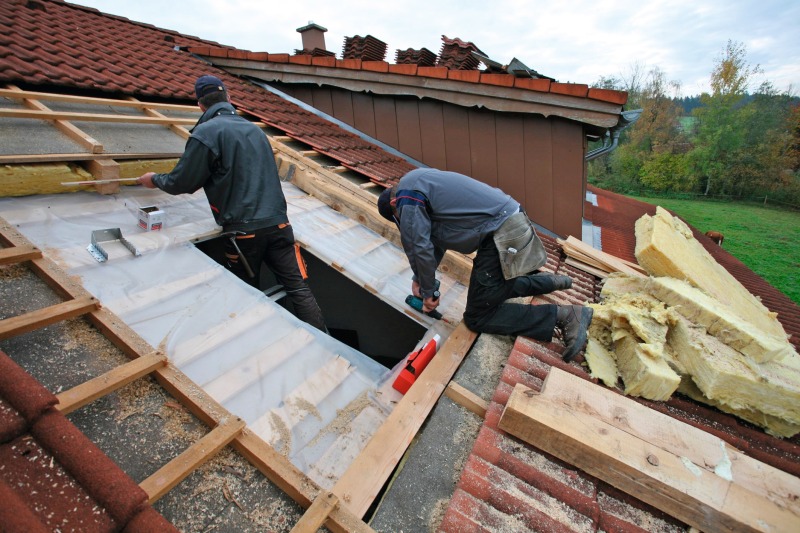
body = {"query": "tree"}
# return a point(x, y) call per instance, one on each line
point(721, 122)
point(651, 153)
point(744, 142)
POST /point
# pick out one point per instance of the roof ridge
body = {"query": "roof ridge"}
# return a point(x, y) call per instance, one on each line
point(543, 85)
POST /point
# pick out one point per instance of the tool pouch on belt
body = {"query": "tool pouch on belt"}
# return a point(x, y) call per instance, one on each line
point(521, 250)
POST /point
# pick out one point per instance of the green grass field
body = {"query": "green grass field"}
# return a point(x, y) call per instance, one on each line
point(767, 240)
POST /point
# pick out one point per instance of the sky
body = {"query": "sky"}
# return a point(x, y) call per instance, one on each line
point(572, 41)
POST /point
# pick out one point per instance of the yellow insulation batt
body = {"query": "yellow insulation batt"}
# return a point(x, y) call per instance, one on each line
point(665, 246)
point(644, 370)
point(720, 321)
point(729, 377)
point(777, 427)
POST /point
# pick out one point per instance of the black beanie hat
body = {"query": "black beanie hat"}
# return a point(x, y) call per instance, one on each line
point(207, 85)
point(385, 206)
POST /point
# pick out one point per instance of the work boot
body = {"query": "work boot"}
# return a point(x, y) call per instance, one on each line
point(573, 322)
point(559, 282)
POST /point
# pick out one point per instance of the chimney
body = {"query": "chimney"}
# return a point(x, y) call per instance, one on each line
point(313, 36)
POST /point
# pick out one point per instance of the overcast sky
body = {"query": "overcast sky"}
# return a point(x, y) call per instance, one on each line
point(572, 41)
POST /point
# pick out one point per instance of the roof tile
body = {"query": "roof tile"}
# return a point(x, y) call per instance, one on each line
point(300, 60)
point(533, 84)
point(472, 76)
point(433, 72)
point(570, 89)
point(608, 95)
point(504, 80)
point(375, 66)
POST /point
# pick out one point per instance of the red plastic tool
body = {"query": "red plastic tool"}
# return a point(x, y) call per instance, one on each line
point(415, 364)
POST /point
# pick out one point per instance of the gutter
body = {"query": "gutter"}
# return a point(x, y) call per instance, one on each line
point(611, 141)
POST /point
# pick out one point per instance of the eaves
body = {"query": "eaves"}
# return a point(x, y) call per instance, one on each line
point(493, 97)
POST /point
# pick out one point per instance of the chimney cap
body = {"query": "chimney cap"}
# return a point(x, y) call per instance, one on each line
point(311, 26)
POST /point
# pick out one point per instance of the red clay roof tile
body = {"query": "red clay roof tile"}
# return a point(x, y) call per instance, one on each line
point(533, 84)
point(505, 80)
point(471, 76)
point(570, 89)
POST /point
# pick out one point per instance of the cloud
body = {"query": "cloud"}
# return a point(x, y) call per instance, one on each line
point(577, 41)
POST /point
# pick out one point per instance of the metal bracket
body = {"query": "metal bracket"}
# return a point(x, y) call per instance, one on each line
point(108, 235)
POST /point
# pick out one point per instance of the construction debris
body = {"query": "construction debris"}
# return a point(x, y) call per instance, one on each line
point(690, 327)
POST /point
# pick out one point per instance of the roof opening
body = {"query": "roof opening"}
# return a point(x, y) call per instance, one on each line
point(354, 316)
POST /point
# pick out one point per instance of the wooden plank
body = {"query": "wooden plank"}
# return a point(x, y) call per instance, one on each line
point(698, 446)
point(586, 268)
point(317, 514)
point(363, 480)
point(687, 473)
point(18, 254)
point(615, 264)
point(91, 117)
point(198, 453)
point(40, 318)
point(65, 127)
point(57, 158)
point(106, 173)
point(150, 112)
point(466, 398)
point(85, 393)
point(11, 93)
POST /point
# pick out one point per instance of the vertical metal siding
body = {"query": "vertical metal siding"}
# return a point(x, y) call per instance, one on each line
point(483, 146)
point(386, 121)
point(511, 155)
point(538, 147)
point(431, 122)
point(323, 101)
point(537, 160)
point(567, 177)
point(364, 113)
point(408, 124)
point(343, 106)
point(456, 139)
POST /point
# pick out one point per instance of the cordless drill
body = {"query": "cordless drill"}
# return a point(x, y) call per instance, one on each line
point(416, 302)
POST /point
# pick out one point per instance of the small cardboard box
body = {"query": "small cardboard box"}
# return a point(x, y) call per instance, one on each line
point(151, 218)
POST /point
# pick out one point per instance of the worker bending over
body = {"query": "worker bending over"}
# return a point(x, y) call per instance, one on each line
point(437, 211)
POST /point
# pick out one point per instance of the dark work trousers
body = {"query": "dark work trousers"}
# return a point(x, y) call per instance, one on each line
point(487, 310)
point(276, 247)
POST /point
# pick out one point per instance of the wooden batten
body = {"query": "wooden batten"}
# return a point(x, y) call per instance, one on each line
point(679, 469)
point(363, 480)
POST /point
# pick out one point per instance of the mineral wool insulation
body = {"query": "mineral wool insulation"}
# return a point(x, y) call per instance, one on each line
point(313, 398)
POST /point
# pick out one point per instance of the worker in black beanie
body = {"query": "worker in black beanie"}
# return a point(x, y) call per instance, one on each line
point(231, 159)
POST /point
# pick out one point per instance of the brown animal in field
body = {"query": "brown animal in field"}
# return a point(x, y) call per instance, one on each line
point(715, 236)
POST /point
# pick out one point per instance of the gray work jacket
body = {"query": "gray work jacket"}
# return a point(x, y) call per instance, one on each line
point(458, 214)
